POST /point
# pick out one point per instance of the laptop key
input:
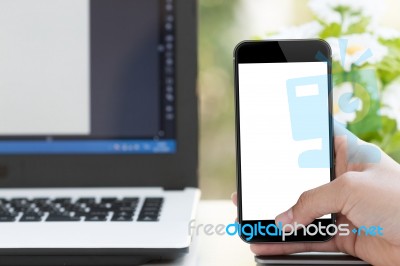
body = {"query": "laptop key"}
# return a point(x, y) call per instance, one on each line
point(124, 209)
point(151, 209)
point(148, 218)
point(34, 212)
point(79, 210)
point(3, 201)
point(86, 200)
point(22, 208)
point(124, 213)
point(125, 203)
point(72, 207)
point(6, 212)
point(150, 199)
point(130, 200)
point(149, 213)
point(51, 208)
point(7, 218)
point(81, 214)
point(98, 213)
point(19, 201)
point(62, 200)
point(96, 218)
point(40, 201)
point(62, 218)
point(99, 209)
point(30, 218)
point(121, 218)
point(108, 200)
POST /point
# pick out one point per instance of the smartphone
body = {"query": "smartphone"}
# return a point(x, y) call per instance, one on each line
point(310, 259)
point(284, 135)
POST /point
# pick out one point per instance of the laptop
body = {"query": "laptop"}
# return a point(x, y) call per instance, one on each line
point(98, 131)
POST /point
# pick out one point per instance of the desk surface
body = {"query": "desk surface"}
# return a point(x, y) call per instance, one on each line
point(216, 250)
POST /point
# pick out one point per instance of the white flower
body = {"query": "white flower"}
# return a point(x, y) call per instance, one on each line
point(357, 46)
point(345, 105)
point(386, 33)
point(304, 31)
point(325, 9)
point(391, 101)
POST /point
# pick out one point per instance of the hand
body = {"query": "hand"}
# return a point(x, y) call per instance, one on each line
point(363, 194)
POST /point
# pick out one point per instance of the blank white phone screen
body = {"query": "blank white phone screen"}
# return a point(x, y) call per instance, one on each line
point(271, 177)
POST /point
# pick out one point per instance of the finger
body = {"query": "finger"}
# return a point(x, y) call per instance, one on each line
point(326, 199)
point(357, 151)
point(289, 248)
point(234, 198)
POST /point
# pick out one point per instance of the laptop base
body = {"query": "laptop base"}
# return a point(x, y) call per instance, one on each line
point(98, 260)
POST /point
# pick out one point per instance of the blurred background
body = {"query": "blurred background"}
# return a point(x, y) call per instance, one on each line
point(224, 23)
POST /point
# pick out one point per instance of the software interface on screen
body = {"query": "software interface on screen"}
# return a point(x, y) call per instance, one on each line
point(80, 76)
point(271, 177)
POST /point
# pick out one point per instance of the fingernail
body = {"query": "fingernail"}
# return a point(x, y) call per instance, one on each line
point(286, 217)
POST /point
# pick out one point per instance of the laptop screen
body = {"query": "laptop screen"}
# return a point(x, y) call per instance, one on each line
point(87, 77)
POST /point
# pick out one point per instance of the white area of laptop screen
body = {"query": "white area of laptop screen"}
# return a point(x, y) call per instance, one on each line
point(79, 76)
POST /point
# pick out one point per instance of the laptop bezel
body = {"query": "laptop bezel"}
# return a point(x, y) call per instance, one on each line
point(170, 171)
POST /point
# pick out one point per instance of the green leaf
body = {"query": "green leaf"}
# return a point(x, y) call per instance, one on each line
point(389, 67)
point(331, 30)
point(257, 38)
point(337, 70)
point(393, 144)
point(342, 9)
point(359, 27)
point(391, 43)
point(368, 122)
point(395, 155)
point(367, 128)
point(389, 126)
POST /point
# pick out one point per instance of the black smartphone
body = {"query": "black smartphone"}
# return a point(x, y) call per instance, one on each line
point(284, 135)
point(310, 259)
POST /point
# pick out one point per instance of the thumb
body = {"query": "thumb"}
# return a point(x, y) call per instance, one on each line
point(314, 203)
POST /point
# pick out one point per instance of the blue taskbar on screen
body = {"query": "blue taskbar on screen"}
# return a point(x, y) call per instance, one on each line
point(88, 147)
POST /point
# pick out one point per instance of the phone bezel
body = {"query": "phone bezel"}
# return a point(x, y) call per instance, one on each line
point(282, 51)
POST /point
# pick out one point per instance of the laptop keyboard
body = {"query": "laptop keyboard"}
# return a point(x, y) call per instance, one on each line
point(82, 209)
